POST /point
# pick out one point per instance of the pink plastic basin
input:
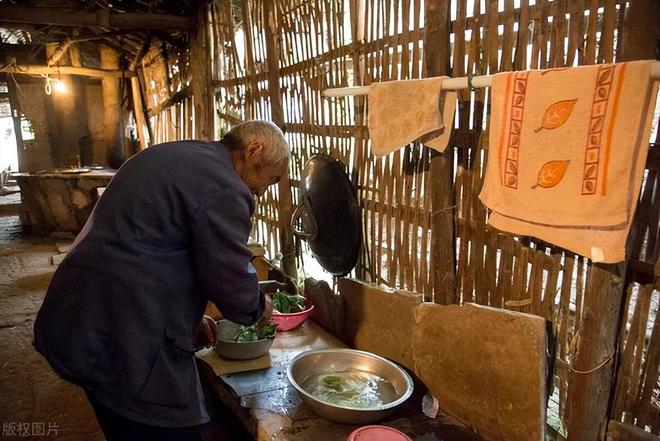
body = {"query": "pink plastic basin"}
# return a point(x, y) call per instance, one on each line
point(289, 322)
point(377, 433)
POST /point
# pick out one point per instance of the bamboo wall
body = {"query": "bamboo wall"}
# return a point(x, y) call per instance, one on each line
point(314, 45)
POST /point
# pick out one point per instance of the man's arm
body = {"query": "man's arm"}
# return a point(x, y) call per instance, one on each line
point(220, 230)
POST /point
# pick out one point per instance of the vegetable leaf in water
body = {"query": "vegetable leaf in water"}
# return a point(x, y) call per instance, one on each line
point(332, 382)
point(286, 303)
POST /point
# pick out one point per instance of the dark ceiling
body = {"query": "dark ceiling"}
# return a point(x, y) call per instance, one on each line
point(123, 25)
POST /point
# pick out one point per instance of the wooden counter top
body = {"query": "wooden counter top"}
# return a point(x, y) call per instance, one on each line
point(260, 395)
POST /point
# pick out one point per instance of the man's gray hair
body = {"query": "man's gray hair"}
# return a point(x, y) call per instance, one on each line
point(276, 150)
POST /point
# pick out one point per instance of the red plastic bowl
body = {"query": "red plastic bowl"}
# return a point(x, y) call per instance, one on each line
point(289, 322)
point(377, 433)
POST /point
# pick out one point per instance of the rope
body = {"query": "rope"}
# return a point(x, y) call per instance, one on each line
point(591, 371)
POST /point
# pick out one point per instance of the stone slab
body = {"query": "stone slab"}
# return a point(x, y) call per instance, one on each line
point(379, 320)
point(485, 366)
point(328, 306)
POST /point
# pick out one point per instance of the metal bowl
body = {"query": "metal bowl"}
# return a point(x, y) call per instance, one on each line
point(227, 347)
point(313, 363)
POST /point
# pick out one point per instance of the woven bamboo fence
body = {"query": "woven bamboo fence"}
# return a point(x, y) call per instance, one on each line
point(274, 58)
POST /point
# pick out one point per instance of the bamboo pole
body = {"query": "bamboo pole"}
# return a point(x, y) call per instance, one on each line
point(458, 83)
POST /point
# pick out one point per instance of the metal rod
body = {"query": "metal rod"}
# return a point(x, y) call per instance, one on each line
point(453, 83)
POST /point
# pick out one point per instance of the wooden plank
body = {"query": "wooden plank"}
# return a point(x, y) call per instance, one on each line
point(505, 270)
point(575, 39)
point(648, 375)
point(520, 60)
point(606, 42)
point(590, 49)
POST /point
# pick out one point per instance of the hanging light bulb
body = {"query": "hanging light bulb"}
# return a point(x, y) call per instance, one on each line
point(59, 86)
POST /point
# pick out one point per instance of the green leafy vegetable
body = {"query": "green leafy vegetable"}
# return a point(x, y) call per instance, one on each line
point(332, 382)
point(249, 333)
point(285, 303)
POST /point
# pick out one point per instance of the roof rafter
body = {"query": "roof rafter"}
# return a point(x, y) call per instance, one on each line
point(100, 17)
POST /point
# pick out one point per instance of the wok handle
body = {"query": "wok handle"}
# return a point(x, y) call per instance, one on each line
point(309, 228)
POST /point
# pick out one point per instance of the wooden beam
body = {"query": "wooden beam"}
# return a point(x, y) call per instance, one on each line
point(33, 69)
point(100, 17)
point(285, 206)
point(181, 95)
point(58, 52)
point(443, 247)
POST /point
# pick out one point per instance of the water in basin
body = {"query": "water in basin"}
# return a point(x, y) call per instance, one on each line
point(353, 388)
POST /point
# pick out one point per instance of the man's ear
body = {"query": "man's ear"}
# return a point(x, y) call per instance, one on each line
point(254, 149)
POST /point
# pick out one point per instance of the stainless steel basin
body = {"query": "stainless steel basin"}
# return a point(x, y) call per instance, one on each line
point(227, 347)
point(309, 365)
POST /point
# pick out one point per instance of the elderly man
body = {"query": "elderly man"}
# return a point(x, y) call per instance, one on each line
point(125, 307)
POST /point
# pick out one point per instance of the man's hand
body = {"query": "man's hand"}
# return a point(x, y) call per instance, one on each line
point(268, 311)
point(207, 333)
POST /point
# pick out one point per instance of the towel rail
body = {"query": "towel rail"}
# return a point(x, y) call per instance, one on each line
point(452, 84)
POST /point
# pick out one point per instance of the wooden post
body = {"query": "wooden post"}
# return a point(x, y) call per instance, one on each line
point(590, 378)
point(284, 187)
point(201, 82)
point(443, 247)
point(112, 154)
point(138, 105)
point(16, 118)
point(641, 30)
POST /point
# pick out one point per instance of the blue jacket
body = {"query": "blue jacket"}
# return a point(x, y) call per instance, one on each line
point(169, 233)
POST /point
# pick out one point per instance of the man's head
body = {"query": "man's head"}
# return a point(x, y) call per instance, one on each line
point(259, 152)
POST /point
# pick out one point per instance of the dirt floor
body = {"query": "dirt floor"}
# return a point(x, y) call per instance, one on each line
point(34, 402)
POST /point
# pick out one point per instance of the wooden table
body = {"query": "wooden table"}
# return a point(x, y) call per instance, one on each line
point(260, 395)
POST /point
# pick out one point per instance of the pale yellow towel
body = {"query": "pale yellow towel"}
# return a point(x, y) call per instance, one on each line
point(402, 111)
point(566, 157)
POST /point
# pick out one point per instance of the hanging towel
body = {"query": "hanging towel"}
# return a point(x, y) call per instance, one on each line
point(402, 111)
point(567, 149)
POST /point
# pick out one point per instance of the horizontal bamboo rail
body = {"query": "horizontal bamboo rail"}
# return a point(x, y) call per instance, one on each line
point(452, 84)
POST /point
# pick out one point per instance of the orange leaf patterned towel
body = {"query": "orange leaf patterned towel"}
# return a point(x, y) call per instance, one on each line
point(567, 149)
point(402, 111)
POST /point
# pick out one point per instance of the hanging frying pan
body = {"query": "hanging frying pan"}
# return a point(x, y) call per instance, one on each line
point(328, 216)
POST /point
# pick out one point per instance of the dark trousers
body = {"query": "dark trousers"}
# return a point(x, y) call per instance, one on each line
point(118, 428)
